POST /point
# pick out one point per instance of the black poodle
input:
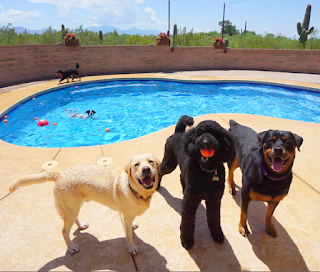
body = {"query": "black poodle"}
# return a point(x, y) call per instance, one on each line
point(202, 177)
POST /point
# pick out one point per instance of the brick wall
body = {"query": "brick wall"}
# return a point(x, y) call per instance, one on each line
point(25, 63)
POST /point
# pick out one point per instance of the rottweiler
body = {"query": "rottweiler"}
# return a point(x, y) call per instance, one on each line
point(265, 160)
point(65, 74)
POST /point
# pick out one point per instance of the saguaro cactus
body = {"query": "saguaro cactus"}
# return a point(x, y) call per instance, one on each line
point(304, 30)
point(175, 31)
point(226, 43)
point(100, 35)
point(63, 31)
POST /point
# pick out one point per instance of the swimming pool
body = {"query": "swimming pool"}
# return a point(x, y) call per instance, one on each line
point(130, 109)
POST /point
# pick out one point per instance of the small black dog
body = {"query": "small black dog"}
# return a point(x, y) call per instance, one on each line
point(265, 160)
point(65, 74)
point(202, 177)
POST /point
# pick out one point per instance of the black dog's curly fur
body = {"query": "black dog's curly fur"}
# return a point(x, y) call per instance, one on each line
point(201, 179)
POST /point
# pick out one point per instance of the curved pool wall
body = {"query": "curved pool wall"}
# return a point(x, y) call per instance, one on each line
point(224, 82)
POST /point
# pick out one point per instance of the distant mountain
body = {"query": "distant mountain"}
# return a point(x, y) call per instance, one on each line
point(20, 29)
point(133, 31)
point(105, 29)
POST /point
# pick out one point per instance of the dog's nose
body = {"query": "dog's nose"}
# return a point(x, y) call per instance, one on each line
point(146, 170)
point(278, 149)
point(205, 143)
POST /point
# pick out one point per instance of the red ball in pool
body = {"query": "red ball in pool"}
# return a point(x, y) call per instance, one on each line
point(43, 123)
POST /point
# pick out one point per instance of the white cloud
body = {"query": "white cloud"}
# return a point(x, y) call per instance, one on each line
point(12, 16)
point(103, 11)
point(64, 13)
point(76, 17)
point(150, 17)
point(1, 7)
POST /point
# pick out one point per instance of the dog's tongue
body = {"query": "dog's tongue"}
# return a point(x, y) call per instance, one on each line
point(147, 181)
point(277, 164)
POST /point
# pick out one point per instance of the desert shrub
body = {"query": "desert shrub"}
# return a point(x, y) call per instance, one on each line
point(248, 40)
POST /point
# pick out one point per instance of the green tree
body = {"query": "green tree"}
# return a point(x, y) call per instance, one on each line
point(8, 34)
point(50, 36)
point(228, 28)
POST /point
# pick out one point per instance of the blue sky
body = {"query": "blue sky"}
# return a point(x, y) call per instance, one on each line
point(271, 16)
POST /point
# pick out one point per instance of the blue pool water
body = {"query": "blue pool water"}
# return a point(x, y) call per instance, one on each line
point(135, 108)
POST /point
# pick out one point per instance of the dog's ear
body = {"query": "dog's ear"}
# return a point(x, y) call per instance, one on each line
point(261, 136)
point(228, 147)
point(189, 143)
point(158, 163)
point(127, 168)
point(298, 140)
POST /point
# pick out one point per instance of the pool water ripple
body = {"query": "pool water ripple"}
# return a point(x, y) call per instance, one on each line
point(132, 109)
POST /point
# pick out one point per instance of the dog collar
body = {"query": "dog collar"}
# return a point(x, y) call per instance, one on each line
point(264, 172)
point(205, 169)
point(137, 194)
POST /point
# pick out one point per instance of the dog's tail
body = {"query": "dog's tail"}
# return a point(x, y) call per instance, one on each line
point(183, 122)
point(33, 179)
point(77, 65)
point(232, 123)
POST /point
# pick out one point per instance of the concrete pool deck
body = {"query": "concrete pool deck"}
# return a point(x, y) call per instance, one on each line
point(31, 228)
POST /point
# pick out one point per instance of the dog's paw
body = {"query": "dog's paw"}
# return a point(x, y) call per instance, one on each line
point(187, 243)
point(232, 191)
point(218, 237)
point(243, 231)
point(83, 226)
point(74, 249)
point(271, 231)
point(135, 225)
point(133, 250)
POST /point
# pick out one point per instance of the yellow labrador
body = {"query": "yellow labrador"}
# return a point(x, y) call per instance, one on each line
point(127, 191)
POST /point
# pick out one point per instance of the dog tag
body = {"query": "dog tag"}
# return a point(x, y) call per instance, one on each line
point(215, 178)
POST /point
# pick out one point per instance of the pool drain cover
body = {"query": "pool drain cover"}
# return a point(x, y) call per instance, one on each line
point(104, 161)
point(49, 164)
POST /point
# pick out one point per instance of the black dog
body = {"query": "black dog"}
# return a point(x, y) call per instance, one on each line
point(65, 74)
point(265, 160)
point(201, 177)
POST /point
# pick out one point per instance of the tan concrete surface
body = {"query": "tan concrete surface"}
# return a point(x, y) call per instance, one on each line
point(31, 229)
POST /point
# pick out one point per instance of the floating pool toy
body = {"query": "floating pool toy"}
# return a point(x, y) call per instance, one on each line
point(107, 129)
point(54, 124)
point(207, 152)
point(36, 118)
point(5, 121)
point(43, 123)
point(6, 116)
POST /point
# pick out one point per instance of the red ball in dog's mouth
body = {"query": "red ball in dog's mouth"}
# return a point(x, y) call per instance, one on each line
point(207, 153)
